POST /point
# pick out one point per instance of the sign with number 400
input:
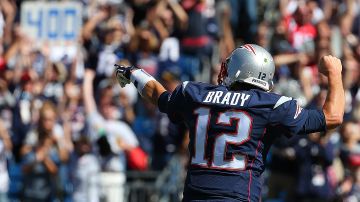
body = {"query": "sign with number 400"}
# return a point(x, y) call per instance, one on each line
point(53, 22)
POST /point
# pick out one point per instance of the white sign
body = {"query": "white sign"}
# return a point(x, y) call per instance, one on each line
point(57, 23)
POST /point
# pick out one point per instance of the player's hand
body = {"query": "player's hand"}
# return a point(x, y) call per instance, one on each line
point(122, 74)
point(330, 64)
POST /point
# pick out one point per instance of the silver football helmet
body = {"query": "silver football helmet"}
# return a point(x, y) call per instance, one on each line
point(250, 64)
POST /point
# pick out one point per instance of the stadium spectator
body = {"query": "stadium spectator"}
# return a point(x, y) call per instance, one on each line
point(126, 98)
point(44, 152)
point(5, 150)
point(314, 155)
point(113, 137)
point(350, 156)
point(73, 110)
point(300, 31)
point(145, 126)
point(283, 169)
point(196, 41)
point(244, 19)
point(85, 172)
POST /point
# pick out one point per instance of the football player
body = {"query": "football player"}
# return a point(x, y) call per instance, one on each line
point(228, 122)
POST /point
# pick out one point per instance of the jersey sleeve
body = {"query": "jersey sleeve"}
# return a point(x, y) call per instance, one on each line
point(295, 119)
point(173, 104)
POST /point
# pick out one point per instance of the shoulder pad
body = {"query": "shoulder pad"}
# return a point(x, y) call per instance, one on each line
point(184, 84)
point(281, 101)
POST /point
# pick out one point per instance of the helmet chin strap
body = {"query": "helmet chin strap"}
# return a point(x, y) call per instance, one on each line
point(271, 86)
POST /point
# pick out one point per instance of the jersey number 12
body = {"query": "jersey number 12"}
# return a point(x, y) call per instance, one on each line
point(222, 141)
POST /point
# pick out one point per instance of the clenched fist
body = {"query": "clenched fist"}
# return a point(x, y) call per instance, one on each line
point(330, 64)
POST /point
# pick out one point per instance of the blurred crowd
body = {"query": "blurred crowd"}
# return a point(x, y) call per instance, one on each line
point(64, 121)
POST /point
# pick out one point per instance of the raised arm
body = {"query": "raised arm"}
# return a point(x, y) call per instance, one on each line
point(91, 24)
point(5, 137)
point(148, 87)
point(335, 100)
point(180, 13)
point(89, 100)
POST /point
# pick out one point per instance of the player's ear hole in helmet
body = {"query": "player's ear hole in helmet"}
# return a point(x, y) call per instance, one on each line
point(251, 66)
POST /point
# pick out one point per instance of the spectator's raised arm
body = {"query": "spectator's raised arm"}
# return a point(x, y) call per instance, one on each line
point(9, 10)
point(226, 43)
point(5, 137)
point(179, 12)
point(90, 25)
point(89, 101)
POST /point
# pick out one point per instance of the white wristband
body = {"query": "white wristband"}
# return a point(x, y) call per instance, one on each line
point(140, 78)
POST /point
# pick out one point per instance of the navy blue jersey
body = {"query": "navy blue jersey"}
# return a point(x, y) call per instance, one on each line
point(228, 136)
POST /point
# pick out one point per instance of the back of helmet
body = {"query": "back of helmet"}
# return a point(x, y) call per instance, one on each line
point(249, 64)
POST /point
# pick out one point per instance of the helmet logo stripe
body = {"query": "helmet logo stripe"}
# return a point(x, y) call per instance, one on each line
point(249, 48)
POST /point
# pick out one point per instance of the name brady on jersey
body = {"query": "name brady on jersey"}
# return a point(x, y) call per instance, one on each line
point(228, 98)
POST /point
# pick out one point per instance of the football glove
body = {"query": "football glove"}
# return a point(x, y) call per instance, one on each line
point(123, 73)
